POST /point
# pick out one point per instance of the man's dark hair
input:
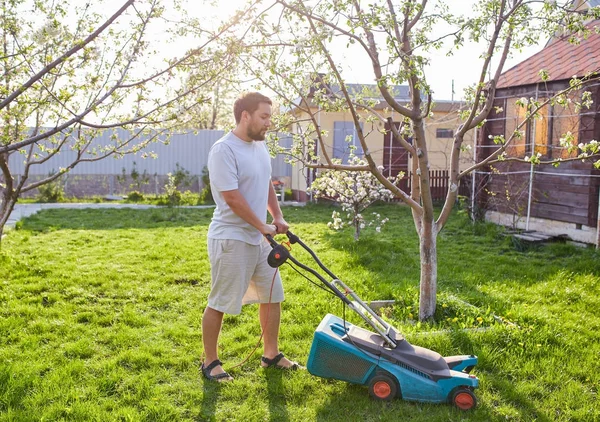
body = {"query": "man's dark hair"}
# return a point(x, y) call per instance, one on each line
point(249, 102)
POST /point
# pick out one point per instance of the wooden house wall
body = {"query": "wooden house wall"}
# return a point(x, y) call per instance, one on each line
point(567, 193)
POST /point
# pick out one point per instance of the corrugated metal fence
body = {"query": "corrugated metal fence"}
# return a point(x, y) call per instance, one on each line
point(187, 150)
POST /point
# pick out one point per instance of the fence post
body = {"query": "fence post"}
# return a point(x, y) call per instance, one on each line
point(598, 222)
point(475, 140)
point(529, 199)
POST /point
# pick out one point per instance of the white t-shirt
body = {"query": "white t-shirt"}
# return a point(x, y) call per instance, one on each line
point(246, 166)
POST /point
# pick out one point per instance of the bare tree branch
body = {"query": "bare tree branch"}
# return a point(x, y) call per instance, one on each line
point(65, 56)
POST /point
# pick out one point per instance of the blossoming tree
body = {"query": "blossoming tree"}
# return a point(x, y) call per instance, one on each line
point(301, 43)
point(74, 69)
point(355, 192)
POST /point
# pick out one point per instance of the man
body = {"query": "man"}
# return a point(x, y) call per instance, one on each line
point(240, 176)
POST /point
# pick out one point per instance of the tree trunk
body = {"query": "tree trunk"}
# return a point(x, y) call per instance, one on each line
point(356, 229)
point(356, 222)
point(6, 208)
point(8, 195)
point(428, 285)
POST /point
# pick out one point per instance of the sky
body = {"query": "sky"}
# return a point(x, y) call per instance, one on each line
point(448, 76)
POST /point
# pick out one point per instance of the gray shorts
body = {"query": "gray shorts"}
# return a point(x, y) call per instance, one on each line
point(240, 275)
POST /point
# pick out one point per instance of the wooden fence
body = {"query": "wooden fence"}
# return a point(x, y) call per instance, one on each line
point(438, 181)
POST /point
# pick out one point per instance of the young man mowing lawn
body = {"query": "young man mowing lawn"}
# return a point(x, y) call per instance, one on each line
point(240, 177)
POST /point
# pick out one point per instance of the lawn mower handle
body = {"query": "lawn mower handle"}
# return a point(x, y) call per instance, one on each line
point(280, 254)
point(295, 239)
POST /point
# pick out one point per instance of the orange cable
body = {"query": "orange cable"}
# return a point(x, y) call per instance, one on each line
point(266, 322)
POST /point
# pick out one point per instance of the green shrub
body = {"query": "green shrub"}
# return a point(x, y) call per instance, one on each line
point(135, 196)
point(206, 194)
point(190, 198)
point(51, 192)
point(137, 179)
point(182, 177)
point(172, 194)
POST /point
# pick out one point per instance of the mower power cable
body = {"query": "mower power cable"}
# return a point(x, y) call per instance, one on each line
point(295, 239)
point(262, 332)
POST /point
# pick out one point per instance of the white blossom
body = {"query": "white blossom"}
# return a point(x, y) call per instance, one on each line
point(354, 192)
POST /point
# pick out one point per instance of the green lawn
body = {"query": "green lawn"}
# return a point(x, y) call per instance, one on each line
point(100, 320)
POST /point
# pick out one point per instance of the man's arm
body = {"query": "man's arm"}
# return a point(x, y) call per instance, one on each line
point(275, 211)
point(238, 204)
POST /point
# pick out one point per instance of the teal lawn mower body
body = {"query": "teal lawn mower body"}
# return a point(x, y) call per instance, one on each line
point(382, 360)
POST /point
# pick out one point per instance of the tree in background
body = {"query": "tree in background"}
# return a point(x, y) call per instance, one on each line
point(73, 70)
point(355, 191)
point(297, 48)
point(213, 109)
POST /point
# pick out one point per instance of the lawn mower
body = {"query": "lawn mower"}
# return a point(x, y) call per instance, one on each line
point(382, 360)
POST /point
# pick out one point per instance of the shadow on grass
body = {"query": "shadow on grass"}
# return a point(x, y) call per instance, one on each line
point(210, 398)
point(276, 394)
point(353, 398)
point(520, 401)
point(469, 257)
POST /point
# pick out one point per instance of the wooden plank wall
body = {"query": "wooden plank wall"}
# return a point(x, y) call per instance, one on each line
point(568, 193)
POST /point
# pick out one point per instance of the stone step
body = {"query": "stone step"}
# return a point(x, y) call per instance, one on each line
point(534, 237)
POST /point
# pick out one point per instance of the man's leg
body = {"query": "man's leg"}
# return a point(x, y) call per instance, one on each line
point(211, 327)
point(229, 267)
point(270, 317)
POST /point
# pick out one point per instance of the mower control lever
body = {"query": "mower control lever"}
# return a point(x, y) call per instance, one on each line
point(278, 255)
point(292, 237)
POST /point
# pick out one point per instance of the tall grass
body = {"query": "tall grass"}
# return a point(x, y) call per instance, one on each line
point(100, 320)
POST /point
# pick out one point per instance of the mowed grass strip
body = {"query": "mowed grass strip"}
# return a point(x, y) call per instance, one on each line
point(100, 320)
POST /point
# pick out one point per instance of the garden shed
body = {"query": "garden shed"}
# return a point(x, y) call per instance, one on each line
point(559, 200)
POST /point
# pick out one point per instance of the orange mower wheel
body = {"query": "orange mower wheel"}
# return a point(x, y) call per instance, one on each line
point(383, 387)
point(464, 399)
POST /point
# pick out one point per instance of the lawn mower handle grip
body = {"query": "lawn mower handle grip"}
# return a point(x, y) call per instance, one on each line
point(270, 240)
point(291, 236)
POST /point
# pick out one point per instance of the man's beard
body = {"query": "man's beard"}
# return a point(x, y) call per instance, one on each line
point(256, 135)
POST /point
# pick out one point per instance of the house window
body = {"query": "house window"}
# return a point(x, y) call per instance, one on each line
point(444, 133)
point(344, 139)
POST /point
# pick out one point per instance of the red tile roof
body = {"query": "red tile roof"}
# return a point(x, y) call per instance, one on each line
point(561, 59)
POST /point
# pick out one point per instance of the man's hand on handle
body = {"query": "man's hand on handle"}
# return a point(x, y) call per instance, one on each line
point(281, 224)
point(269, 229)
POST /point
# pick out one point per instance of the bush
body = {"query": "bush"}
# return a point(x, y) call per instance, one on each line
point(51, 192)
point(138, 180)
point(206, 194)
point(135, 196)
point(182, 177)
point(174, 199)
point(190, 198)
point(172, 194)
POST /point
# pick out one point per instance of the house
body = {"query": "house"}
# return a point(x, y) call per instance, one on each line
point(554, 200)
point(340, 133)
